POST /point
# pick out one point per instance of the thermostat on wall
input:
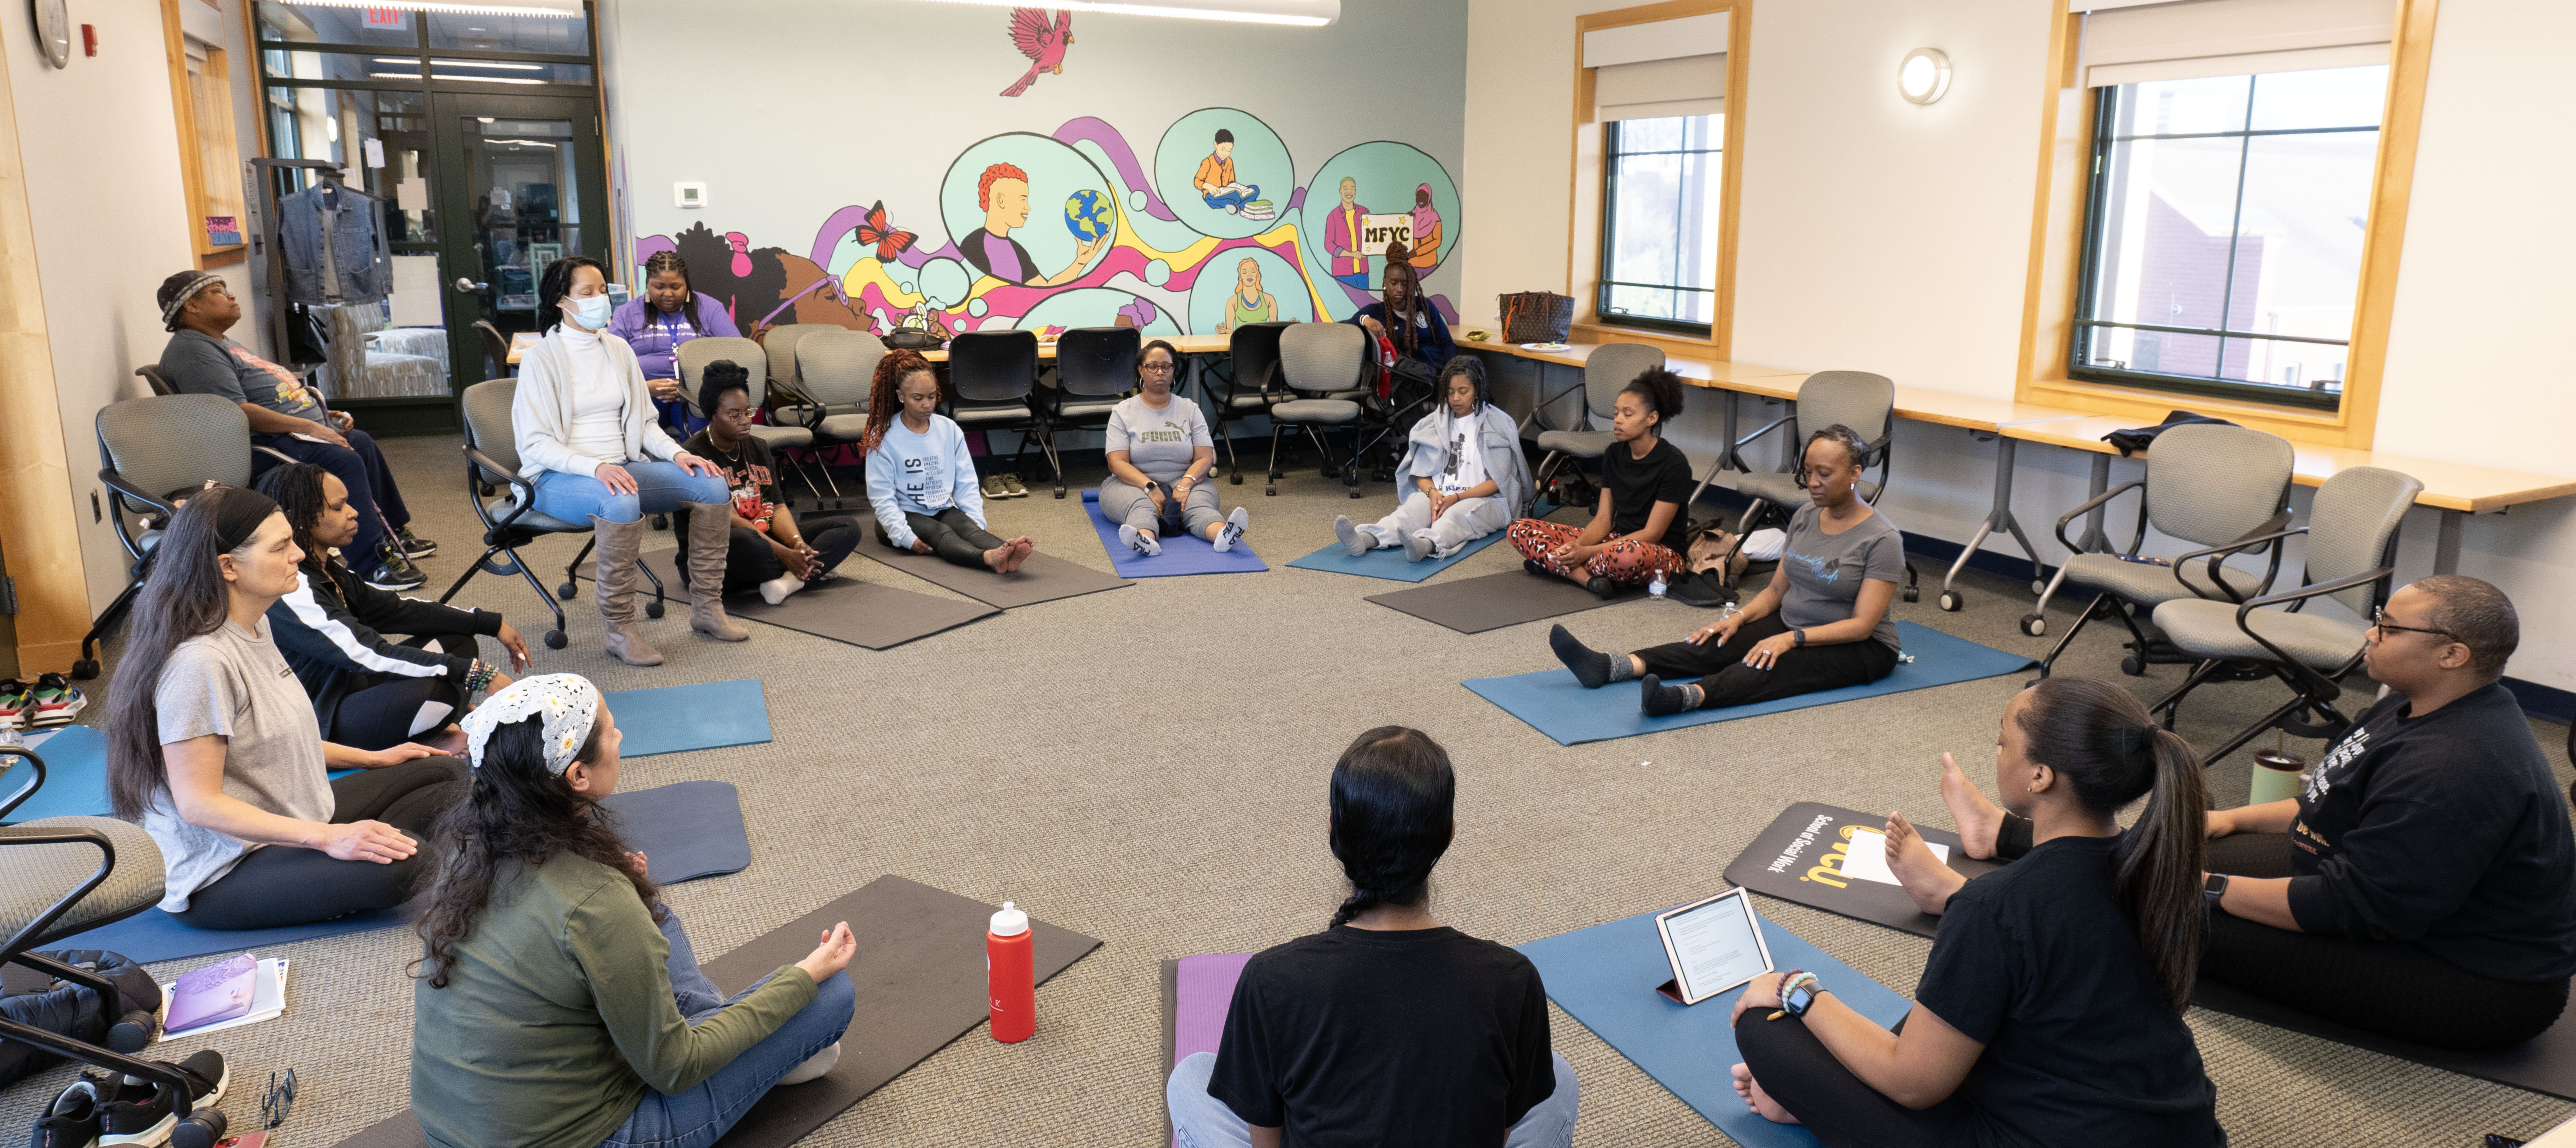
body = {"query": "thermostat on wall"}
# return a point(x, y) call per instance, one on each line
point(689, 194)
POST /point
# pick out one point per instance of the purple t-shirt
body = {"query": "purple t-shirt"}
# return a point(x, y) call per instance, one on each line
point(999, 256)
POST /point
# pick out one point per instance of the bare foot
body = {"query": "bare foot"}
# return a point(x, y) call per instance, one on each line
point(1979, 819)
point(1020, 548)
point(449, 741)
point(1759, 1101)
point(996, 558)
point(1925, 878)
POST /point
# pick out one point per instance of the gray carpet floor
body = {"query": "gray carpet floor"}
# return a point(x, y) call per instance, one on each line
point(1149, 765)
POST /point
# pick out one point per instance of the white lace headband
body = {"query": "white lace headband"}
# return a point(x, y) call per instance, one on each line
point(568, 702)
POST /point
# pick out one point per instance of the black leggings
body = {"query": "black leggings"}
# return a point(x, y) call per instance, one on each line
point(750, 560)
point(382, 708)
point(1799, 1072)
point(281, 885)
point(952, 535)
point(1727, 681)
point(2385, 987)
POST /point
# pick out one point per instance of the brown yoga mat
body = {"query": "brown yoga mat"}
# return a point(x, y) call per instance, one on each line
point(842, 608)
point(1043, 578)
point(920, 975)
point(1493, 601)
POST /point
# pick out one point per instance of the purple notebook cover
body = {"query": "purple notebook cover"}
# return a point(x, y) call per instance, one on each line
point(218, 992)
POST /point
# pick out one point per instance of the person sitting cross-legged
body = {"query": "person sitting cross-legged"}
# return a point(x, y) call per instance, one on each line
point(1464, 465)
point(772, 551)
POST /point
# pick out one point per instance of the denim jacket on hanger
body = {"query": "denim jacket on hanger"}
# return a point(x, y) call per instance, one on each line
point(335, 253)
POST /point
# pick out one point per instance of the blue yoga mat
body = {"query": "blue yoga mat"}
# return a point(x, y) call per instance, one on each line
point(1187, 554)
point(686, 831)
point(1388, 562)
point(669, 719)
point(1554, 704)
point(1605, 976)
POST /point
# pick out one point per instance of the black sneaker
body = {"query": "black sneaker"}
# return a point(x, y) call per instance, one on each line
point(1534, 566)
point(413, 545)
point(1602, 587)
point(72, 1120)
point(1701, 589)
point(144, 1113)
point(393, 571)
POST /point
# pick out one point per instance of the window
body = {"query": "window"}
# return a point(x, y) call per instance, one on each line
point(2223, 233)
point(1660, 196)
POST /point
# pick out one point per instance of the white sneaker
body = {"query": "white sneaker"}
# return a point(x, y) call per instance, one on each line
point(777, 589)
point(1417, 546)
point(1234, 524)
point(1352, 540)
point(814, 1066)
point(1141, 541)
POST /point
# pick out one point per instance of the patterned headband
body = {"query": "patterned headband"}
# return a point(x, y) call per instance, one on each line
point(170, 314)
point(568, 702)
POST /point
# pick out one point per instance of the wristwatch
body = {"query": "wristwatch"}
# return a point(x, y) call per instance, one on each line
point(1797, 638)
point(1798, 992)
point(2213, 888)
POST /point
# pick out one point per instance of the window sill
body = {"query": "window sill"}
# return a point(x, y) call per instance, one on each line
point(2298, 424)
point(1673, 342)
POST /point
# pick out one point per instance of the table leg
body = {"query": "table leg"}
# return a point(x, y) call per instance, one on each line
point(2095, 538)
point(2446, 545)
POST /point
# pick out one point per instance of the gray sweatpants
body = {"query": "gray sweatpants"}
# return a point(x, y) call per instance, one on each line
point(1466, 521)
point(1131, 506)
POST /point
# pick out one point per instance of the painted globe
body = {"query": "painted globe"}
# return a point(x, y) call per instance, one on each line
point(1088, 214)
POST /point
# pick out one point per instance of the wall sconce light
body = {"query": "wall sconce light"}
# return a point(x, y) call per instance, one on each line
point(1924, 76)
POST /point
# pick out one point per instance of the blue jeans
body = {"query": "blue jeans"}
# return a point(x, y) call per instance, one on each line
point(1221, 200)
point(1203, 1121)
point(703, 1114)
point(660, 488)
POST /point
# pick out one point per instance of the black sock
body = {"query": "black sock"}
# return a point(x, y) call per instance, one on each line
point(1591, 667)
point(1660, 700)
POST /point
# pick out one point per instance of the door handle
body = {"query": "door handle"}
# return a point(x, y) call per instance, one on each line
point(470, 286)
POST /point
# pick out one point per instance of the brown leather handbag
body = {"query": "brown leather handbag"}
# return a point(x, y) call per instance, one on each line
point(1536, 317)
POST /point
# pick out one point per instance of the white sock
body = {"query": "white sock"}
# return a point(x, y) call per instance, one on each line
point(777, 589)
point(1233, 529)
point(813, 1066)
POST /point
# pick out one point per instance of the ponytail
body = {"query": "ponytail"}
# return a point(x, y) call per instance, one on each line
point(2101, 739)
point(1394, 801)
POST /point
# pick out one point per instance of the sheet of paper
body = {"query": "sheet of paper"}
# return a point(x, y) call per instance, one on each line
point(1867, 856)
point(411, 193)
point(374, 149)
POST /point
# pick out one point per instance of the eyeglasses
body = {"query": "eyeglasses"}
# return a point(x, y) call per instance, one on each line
point(275, 1103)
point(1156, 368)
point(2379, 621)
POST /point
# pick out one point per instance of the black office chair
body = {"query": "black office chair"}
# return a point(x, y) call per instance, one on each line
point(152, 378)
point(1251, 377)
point(496, 349)
point(991, 376)
point(1094, 367)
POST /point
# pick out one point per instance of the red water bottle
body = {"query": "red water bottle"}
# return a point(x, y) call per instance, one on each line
point(1011, 971)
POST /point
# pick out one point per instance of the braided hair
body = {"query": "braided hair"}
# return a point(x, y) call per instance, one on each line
point(1394, 803)
point(1841, 436)
point(661, 261)
point(297, 489)
point(1400, 327)
point(885, 393)
point(1472, 367)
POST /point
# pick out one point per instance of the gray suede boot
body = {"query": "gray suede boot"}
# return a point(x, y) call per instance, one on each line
point(618, 545)
point(710, 540)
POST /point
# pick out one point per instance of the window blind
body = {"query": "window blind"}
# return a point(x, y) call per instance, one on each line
point(1665, 68)
point(2135, 41)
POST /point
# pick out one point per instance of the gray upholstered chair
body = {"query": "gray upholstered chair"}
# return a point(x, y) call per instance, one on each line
point(1857, 399)
point(2211, 485)
point(781, 438)
point(1321, 364)
point(836, 372)
point(1609, 369)
point(2352, 552)
point(781, 342)
point(511, 520)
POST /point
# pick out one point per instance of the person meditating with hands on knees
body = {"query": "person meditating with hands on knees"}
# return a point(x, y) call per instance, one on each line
point(1464, 463)
point(771, 550)
point(214, 747)
point(2050, 1011)
point(1158, 451)
point(1820, 624)
point(1637, 531)
point(921, 480)
point(667, 314)
point(557, 1001)
point(2422, 886)
point(1388, 1027)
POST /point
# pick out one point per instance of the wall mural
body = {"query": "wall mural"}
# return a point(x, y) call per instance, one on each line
point(1073, 230)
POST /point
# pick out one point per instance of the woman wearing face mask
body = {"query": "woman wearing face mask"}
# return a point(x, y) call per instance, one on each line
point(1463, 475)
point(588, 441)
point(667, 314)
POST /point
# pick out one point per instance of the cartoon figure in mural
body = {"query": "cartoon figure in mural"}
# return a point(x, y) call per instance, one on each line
point(1217, 185)
point(1342, 237)
point(1426, 231)
point(1003, 193)
point(1249, 303)
point(741, 245)
point(890, 241)
point(1042, 43)
point(924, 317)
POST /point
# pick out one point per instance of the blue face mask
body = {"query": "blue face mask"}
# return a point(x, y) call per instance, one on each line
point(591, 313)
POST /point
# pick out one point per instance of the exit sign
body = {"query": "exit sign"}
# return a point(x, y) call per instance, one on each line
point(393, 19)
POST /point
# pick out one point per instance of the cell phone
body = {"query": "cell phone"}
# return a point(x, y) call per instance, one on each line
point(2144, 560)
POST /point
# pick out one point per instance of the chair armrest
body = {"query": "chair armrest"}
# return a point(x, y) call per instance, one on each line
point(125, 486)
point(66, 835)
point(37, 763)
point(478, 464)
point(1776, 424)
point(2269, 532)
point(2301, 595)
point(2090, 505)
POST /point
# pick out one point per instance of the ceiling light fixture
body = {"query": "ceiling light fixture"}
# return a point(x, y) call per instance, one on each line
point(1924, 76)
point(462, 63)
point(555, 8)
point(1295, 13)
point(445, 76)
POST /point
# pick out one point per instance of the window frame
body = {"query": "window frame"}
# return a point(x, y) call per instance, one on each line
point(209, 142)
point(1602, 283)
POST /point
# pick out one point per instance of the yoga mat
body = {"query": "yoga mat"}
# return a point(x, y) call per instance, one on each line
point(1553, 703)
point(685, 831)
point(75, 776)
point(920, 976)
point(704, 715)
point(1043, 578)
point(1794, 859)
point(1197, 991)
point(1798, 858)
point(1493, 601)
point(842, 608)
point(1605, 977)
point(1184, 554)
point(1388, 562)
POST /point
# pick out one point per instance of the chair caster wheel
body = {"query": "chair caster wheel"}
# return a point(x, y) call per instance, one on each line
point(1235, 479)
point(652, 609)
point(554, 639)
point(567, 591)
point(1355, 494)
point(661, 522)
point(2034, 625)
point(1913, 595)
point(1059, 492)
point(2038, 587)
point(2133, 666)
point(203, 1128)
point(1270, 490)
point(1950, 601)
point(85, 669)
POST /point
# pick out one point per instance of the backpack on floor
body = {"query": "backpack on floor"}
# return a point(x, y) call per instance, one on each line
point(36, 1000)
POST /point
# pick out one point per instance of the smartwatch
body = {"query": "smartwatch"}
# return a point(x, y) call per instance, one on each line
point(1798, 992)
point(2212, 888)
point(1797, 638)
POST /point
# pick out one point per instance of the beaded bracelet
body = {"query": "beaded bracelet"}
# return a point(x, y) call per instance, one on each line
point(479, 678)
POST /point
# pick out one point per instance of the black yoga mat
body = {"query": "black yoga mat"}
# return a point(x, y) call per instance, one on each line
point(1493, 601)
point(842, 608)
point(2546, 1063)
point(920, 976)
point(1043, 578)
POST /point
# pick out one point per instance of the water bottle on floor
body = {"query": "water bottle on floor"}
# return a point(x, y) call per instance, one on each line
point(1656, 586)
point(1011, 973)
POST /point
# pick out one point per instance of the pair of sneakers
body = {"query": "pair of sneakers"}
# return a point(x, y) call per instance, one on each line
point(1146, 543)
point(113, 1111)
point(51, 700)
point(394, 569)
point(1003, 486)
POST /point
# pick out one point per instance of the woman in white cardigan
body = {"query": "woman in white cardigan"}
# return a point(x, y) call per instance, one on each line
point(588, 440)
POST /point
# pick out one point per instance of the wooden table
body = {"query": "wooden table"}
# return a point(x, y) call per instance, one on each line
point(1185, 344)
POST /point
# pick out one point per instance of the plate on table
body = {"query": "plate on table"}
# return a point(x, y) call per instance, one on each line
point(1544, 347)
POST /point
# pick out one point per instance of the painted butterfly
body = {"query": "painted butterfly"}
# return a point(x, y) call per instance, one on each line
point(890, 240)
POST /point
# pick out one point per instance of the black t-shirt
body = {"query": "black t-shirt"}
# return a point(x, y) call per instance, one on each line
point(2037, 962)
point(1421, 1037)
point(748, 474)
point(1637, 484)
point(2446, 831)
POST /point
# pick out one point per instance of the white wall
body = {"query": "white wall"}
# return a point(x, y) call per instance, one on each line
point(100, 146)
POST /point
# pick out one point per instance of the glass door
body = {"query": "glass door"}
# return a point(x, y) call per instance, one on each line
point(523, 184)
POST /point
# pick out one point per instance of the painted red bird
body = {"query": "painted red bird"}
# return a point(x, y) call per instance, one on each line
point(1042, 43)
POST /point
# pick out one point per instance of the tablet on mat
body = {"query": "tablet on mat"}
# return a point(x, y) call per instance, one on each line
point(1714, 945)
